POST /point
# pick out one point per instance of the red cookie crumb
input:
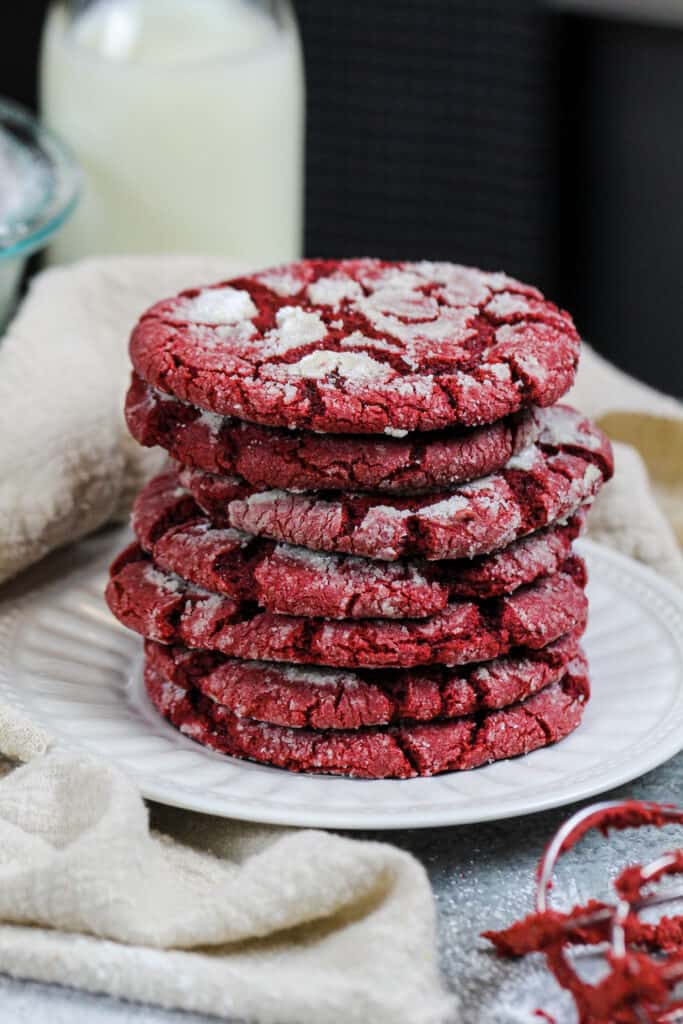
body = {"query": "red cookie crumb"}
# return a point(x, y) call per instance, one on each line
point(166, 608)
point(321, 698)
point(401, 752)
point(288, 580)
point(360, 346)
point(299, 460)
point(547, 482)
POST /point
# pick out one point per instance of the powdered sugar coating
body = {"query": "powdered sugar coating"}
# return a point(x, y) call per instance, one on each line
point(560, 474)
point(409, 346)
point(219, 306)
point(295, 327)
point(294, 580)
point(402, 751)
point(320, 698)
point(298, 460)
point(464, 632)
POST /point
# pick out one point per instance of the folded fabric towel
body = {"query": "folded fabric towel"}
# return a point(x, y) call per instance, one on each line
point(264, 924)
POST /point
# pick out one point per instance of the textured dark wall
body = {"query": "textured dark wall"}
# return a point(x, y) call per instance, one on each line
point(431, 131)
point(622, 159)
point(19, 39)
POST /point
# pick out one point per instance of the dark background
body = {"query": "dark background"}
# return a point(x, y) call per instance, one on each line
point(494, 132)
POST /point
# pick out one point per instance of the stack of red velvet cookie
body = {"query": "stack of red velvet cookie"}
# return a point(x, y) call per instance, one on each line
point(361, 560)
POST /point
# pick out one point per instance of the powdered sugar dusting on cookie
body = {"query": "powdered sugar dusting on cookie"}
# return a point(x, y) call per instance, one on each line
point(409, 304)
point(447, 509)
point(213, 422)
point(474, 519)
point(433, 319)
point(219, 306)
point(355, 367)
point(171, 694)
point(443, 328)
point(506, 304)
point(221, 336)
point(358, 340)
point(330, 291)
point(560, 429)
point(169, 584)
point(526, 459)
point(282, 281)
point(375, 275)
point(297, 328)
point(314, 559)
point(318, 677)
point(266, 497)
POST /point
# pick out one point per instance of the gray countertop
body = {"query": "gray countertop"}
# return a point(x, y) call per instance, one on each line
point(482, 877)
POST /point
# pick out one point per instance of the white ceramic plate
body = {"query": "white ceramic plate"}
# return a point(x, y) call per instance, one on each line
point(67, 664)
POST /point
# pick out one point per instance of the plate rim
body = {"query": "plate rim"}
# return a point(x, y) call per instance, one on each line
point(366, 817)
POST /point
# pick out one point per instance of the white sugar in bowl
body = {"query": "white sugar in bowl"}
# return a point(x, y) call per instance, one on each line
point(39, 188)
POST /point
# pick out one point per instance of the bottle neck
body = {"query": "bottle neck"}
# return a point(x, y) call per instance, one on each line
point(176, 33)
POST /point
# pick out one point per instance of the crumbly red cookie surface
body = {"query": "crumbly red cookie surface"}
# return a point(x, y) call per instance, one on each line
point(166, 608)
point(295, 581)
point(360, 346)
point(319, 698)
point(401, 752)
point(548, 481)
point(300, 460)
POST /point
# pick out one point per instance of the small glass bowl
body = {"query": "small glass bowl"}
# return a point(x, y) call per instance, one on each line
point(39, 188)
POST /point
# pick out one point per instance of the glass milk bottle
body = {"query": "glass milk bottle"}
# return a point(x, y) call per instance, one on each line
point(187, 118)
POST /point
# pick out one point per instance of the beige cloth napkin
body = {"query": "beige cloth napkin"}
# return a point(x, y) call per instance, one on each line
point(641, 512)
point(272, 925)
point(245, 922)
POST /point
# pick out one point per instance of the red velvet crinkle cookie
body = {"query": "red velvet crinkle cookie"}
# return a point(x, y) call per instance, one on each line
point(320, 698)
point(166, 608)
point(360, 346)
point(400, 752)
point(300, 460)
point(295, 581)
point(547, 482)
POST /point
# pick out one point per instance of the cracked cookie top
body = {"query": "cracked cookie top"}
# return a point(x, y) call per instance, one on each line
point(323, 698)
point(402, 751)
point(169, 609)
point(301, 460)
point(295, 581)
point(548, 481)
point(360, 346)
